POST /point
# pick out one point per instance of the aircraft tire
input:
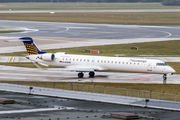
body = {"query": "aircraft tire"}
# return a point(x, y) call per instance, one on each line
point(91, 74)
point(164, 77)
point(80, 75)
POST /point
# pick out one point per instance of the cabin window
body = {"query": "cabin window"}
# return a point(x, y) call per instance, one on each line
point(134, 63)
point(98, 61)
point(111, 61)
point(126, 62)
point(76, 59)
point(108, 61)
point(123, 63)
point(69, 59)
point(84, 60)
point(137, 63)
point(92, 60)
point(63, 58)
point(130, 63)
point(66, 59)
point(116, 62)
point(119, 62)
point(104, 61)
point(161, 64)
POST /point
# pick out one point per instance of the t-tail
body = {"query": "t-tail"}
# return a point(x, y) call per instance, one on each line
point(30, 46)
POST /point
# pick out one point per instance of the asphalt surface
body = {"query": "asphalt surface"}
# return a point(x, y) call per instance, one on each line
point(35, 107)
point(10, 73)
point(83, 30)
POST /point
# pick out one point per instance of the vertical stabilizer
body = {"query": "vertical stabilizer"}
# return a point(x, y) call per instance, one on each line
point(30, 46)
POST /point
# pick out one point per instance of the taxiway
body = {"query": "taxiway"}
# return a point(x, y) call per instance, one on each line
point(10, 73)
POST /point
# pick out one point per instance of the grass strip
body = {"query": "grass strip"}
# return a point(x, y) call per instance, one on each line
point(82, 6)
point(162, 48)
point(24, 64)
point(165, 48)
point(142, 18)
point(11, 31)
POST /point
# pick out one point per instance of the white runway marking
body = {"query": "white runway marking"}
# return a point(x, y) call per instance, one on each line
point(28, 110)
point(63, 30)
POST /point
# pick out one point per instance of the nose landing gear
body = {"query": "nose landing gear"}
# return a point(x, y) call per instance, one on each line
point(164, 78)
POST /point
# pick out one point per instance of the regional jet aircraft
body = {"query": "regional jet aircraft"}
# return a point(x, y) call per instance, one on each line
point(87, 63)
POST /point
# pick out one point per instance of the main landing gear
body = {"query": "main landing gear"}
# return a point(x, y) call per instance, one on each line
point(91, 74)
point(81, 74)
point(164, 78)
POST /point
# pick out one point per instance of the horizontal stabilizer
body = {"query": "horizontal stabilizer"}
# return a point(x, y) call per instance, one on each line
point(16, 40)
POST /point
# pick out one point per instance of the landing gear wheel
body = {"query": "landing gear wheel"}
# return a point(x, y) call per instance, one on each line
point(164, 78)
point(91, 74)
point(80, 75)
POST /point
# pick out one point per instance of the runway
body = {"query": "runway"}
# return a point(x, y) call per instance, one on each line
point(84, 30)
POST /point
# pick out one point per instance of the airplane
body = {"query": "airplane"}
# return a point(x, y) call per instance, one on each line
point(91, 64)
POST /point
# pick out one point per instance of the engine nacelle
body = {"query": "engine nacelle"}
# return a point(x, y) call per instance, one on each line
point(47, 56)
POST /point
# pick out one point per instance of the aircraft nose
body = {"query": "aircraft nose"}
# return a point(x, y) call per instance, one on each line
point(171, 70)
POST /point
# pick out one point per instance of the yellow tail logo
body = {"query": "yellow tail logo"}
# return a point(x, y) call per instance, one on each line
point(32, 50)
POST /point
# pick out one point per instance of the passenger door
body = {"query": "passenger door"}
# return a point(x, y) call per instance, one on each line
point(149, 66)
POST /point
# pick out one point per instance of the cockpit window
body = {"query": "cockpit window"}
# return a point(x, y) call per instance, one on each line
point(161, 64)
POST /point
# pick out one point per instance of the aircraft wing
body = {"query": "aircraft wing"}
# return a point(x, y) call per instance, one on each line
point(69, 68)
point(72, 69)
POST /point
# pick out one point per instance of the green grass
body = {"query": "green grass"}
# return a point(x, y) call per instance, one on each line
point(29, 65)
point(168, 88)
point(24, 64)
point(167, 48)
point(83, 6)
point(161, 18)
point(11, 31)
point(175, 66)
point(164, 48)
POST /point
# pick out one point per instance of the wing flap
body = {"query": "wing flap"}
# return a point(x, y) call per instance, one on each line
point(72, 69)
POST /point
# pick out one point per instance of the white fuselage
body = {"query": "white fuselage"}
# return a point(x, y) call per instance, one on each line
point(99, 63)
